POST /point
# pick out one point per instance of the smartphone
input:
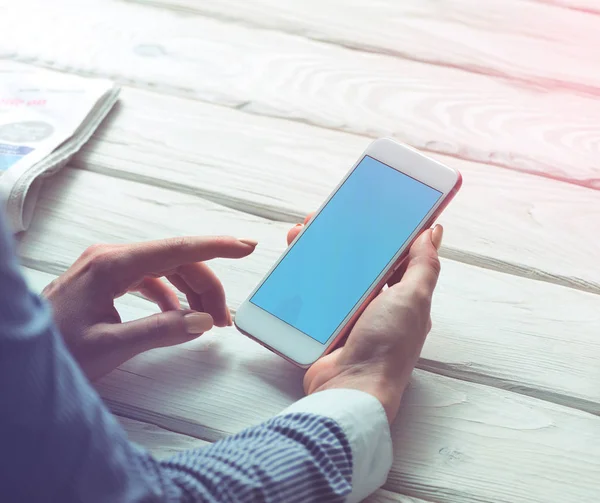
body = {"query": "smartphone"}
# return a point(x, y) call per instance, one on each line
point(342, 258)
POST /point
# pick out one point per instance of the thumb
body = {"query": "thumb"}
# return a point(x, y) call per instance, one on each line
point(423, 266)
point(108, 345)
point(156, 331)
point(293, 233)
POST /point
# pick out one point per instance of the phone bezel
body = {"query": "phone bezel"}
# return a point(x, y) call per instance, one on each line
point(295, 345)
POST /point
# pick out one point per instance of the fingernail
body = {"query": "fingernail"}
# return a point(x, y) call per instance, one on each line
point(436, 236)
point(248, 241)
point(230, 319)
point(197, 323)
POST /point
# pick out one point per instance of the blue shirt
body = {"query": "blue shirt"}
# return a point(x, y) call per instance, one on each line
point(58, 442)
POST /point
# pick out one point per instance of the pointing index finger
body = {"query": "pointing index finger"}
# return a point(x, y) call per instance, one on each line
point(161, 256)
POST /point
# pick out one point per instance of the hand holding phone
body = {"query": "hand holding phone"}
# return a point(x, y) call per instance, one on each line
point(385, 343)
point(352, 247)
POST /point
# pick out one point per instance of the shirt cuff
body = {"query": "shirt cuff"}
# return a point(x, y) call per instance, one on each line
point(364, 422)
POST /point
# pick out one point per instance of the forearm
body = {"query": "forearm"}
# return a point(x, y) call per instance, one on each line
point(60, 443)
point(329, 446)
point(293, 458)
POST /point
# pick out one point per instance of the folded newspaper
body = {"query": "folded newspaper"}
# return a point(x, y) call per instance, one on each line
point(45, 118)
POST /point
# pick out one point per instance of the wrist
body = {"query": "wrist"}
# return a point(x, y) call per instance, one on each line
point(386, 389)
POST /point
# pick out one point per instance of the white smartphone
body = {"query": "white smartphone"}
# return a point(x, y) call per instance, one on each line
point(343, 257)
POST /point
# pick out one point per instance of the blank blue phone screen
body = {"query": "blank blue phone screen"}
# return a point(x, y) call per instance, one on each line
point(350, 242)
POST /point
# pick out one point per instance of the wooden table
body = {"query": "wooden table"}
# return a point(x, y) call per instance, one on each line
point(238, 117)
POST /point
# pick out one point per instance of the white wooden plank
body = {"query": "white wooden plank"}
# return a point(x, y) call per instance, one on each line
point(454, 441)
point(586, 6)
point(384, 496)
point(434, 108)
point(533, 337)
point(541, 46)
point(164, 443)
point(160, 442)
point(507, 221)
point(513, 443)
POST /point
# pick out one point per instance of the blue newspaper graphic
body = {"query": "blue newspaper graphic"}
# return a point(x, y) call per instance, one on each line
point(11, 154)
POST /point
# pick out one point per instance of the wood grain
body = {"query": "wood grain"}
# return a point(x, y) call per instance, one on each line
point(282, 170)
point(480, 426)
point(586, 6)
point(454, 441)
point(542, 46)
point(434, 108)
point(384, 496)
point(533, 337)
point(207, 169)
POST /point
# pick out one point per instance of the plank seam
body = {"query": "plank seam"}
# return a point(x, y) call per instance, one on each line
point(505, 267)
point(457, 372)
point(576, 8)
point(278, 214)
point(245, 106)
point(462, 373)
point(542, 84)
point(166, 422)
point(268, 212)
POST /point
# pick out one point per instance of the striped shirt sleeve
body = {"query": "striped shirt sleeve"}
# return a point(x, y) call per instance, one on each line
point(363, 421)
point(60, 443)
point(296, 457)
point(330, 446)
